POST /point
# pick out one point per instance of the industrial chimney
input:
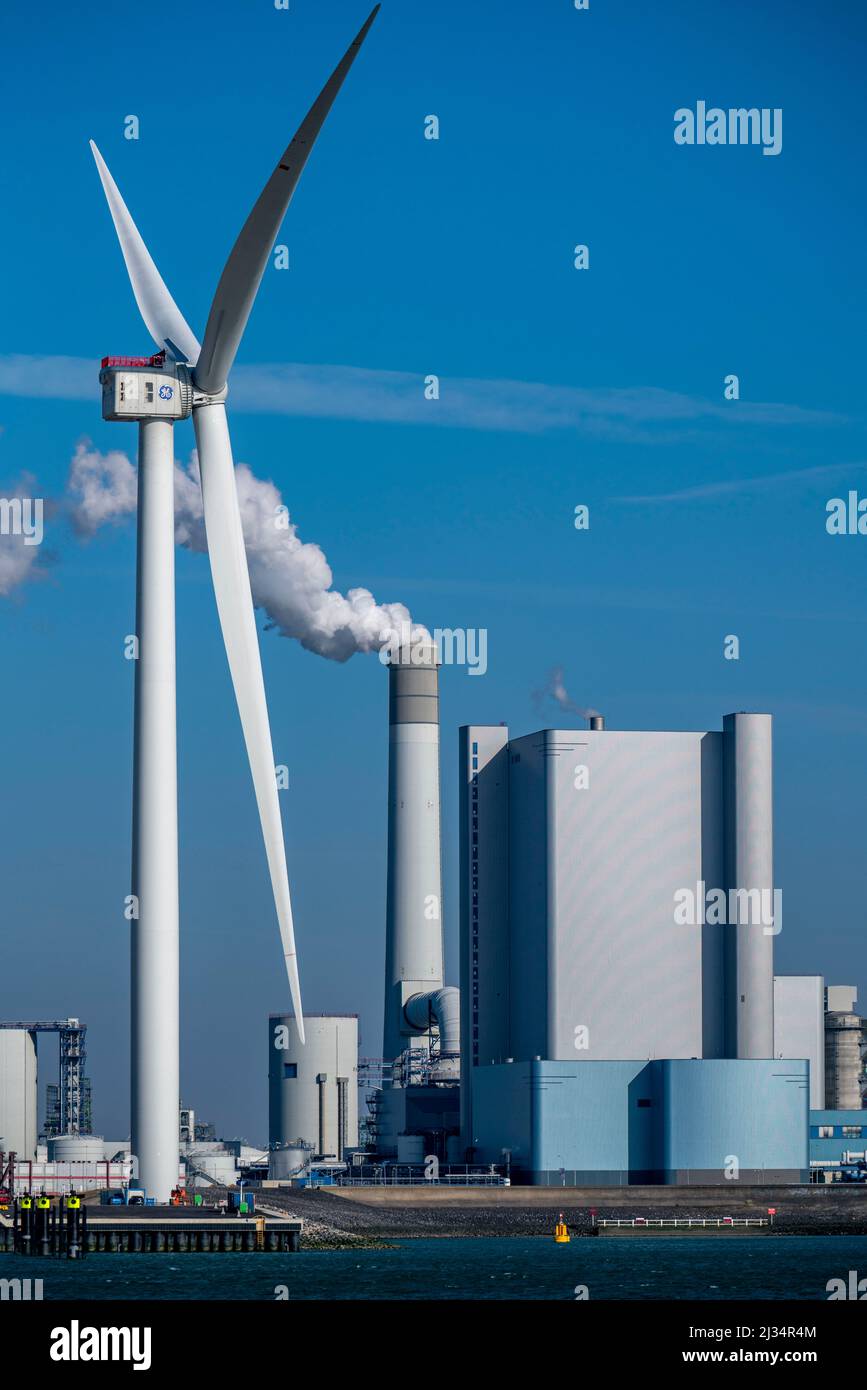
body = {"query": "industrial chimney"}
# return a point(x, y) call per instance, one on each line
point(414, 931)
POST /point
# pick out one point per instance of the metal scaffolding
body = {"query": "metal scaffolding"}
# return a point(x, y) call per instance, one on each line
point(74, 1103)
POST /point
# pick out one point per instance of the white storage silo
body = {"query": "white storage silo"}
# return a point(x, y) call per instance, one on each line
point(289, 1162)
point(222, 1168)
point(313, 1087)
point(76, 1148)
point(18, 1093)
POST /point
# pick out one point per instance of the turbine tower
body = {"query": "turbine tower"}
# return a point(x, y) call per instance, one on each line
point(179, 380)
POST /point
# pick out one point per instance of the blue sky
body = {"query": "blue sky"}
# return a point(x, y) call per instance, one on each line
point(453, 257)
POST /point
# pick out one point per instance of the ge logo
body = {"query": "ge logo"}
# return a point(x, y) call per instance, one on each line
point(166, 393)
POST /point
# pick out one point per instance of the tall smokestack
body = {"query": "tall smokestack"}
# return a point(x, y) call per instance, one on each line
point(749, 813)
point(414, 936)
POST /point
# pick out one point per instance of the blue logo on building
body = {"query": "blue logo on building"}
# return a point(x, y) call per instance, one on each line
point(166, 393)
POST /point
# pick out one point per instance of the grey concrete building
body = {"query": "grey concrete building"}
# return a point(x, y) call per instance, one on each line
point(617, 895)
point(799, 1027)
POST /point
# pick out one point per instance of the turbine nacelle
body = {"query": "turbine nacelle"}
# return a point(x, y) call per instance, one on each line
point(141, 388)
point(151, 388)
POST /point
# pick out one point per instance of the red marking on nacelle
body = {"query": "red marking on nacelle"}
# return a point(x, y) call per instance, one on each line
point(158, 360)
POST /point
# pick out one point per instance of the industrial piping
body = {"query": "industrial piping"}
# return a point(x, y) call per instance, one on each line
point(441, 1007)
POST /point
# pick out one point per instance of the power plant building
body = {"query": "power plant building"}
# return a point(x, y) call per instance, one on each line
point(312, 1088)
point(844, 1049)
point(799, 1027)
point(19, 1121)
point(617, 923)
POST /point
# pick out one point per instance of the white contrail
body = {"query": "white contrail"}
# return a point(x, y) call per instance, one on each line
point(335, 392)
point(290, 578)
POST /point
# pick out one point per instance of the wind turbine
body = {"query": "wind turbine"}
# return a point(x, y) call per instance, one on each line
point(183, 379)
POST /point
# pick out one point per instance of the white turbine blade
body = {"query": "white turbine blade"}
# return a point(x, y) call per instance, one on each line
point(163, 318)
point(235, 607)
point(245, 267)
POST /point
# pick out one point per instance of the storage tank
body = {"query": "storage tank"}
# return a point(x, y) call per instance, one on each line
point(313, 1087)
point(76, 1148)
point(289, 1162)
point(18, 1093)
point(844, 1067)
point(222, 1167)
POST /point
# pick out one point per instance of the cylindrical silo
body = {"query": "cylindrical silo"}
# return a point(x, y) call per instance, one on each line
point(749, 829)
point(313, 1087)
point(18, 1094)
point(76, 1148)
point(844, 1066)
point(414, 939)
point(222, 1168)
point(289, 1162)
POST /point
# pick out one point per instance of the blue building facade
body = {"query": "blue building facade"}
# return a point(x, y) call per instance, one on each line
point(837, 1137)
point(661, 1121)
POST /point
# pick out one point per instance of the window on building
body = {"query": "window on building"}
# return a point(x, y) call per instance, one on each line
point(149, 391)
point(290, 1070)
point(644, 1104)
point(475, 749)
point(826, 1131)
point(851, 1131)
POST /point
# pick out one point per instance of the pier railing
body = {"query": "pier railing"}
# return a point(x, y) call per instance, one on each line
point(688, 1221)
point(410, 1175)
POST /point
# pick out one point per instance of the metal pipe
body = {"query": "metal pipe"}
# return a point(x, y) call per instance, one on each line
point(320, 1082)
point(342, 1083)
point(441, 1007)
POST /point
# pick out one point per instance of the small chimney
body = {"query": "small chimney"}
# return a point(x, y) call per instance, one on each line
point(597, 721)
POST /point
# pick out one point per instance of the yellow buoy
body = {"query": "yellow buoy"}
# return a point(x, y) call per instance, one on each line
point(561, 1232)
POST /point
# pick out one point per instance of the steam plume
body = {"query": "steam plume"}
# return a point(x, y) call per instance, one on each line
point(291, 579)
point(555, 689)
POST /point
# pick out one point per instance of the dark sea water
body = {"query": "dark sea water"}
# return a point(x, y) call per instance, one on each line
point(785, 1267)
